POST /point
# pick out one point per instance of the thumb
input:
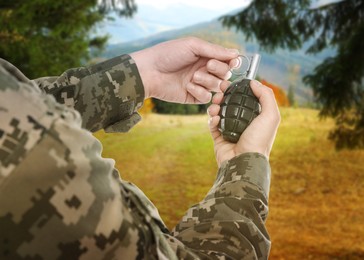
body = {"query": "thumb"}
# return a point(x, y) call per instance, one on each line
point(266, 98)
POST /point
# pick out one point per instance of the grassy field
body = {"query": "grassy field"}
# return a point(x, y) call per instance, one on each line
point(316, 208)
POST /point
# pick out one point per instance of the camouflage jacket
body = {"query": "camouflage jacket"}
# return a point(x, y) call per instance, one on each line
point(59, 199)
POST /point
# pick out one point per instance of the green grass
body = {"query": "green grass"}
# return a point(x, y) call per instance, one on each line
point(169, 157)
point(316, 208)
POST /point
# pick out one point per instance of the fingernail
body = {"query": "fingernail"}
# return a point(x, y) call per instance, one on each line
point(227, 76)
point(211, 65)
point(234, 51)
point(235, 63)
point(256, 83)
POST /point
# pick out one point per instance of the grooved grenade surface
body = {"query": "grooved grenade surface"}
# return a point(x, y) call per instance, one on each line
point(237, 110)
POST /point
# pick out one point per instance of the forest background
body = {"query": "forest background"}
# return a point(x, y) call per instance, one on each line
point(317, 185)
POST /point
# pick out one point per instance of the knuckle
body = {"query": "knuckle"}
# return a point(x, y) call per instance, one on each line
point(269, 90)
point(197, 77)
point(211, 65)
point(191, 40)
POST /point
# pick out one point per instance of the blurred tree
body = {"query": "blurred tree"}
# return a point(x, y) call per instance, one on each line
point(291, 96)
point(163, 107)
point(147, 107)
point(293, 78)
point(45, 37)
point(280, 95)
point(338, 81)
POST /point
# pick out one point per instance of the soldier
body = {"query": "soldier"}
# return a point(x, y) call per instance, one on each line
point(59, 199)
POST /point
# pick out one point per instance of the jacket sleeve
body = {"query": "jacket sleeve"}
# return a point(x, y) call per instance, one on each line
point(59, 199)
point(57, 190)
point(107, 95)
point(230, 221)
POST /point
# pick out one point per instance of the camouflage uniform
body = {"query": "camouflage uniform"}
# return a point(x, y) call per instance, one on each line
point(59, 199)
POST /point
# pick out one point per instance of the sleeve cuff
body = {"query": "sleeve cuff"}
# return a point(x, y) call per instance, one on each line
point(250, 167)
point(128, 91)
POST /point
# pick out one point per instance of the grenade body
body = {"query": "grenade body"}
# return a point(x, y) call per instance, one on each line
point(237, 110)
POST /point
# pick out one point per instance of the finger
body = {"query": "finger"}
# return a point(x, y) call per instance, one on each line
point(266, 98)
point(209, 50)
point(200, 94)
point(219, 69)
point(207, 81)
point(213, 110)
point(217, 98)
point(213, 125)
point(224, 85)
point(235, 63)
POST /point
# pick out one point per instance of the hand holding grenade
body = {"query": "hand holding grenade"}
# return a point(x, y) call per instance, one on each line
point(239, 106)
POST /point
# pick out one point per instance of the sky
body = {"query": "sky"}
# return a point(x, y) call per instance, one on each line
point(154, 16)
point(223, 6)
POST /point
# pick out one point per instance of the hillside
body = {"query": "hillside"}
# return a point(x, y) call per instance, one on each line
point(282, 68)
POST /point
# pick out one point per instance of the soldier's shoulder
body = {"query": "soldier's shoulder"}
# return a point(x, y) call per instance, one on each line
point(25, 114)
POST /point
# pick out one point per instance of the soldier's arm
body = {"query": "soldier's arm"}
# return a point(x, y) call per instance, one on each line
point(59, 199)
point(107, 95)
point(230, 221)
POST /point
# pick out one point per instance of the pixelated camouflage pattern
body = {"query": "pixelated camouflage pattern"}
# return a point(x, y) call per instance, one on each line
point(59, 199)
point(97, 92)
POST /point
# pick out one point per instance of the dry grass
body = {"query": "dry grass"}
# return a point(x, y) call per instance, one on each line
point(315, 200)
point(315, 203)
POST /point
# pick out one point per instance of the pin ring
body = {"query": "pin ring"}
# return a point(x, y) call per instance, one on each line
point(237, 71)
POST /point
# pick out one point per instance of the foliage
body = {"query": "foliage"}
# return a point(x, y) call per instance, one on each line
point(348, 132)
point(163, 107)
point(338, 81)
point(123, 7)
point(147, 107)
point(291, 95)
point(45, 37)
point(279, 94)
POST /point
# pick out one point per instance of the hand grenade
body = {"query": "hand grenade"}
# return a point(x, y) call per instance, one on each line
point(239, 106)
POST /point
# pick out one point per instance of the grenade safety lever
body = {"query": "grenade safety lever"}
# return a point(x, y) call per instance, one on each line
point(239, 106)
